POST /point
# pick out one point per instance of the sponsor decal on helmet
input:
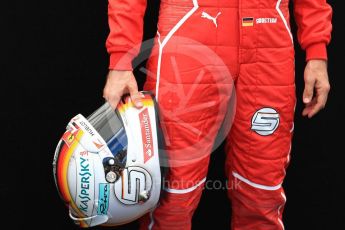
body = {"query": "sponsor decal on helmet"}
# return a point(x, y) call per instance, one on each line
point(103, 199)
point(134, 186)
point(265, 121)
point(146, 134)
point(87, 128)
point(68, 138)
point(98, 144)
point(85, 183)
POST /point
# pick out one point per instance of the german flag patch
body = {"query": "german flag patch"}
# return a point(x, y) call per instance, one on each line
point(248, 21)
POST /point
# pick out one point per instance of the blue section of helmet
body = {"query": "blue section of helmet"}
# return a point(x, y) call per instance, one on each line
point(118, 142)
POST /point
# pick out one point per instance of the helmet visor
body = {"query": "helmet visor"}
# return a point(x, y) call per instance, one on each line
point(109, 125)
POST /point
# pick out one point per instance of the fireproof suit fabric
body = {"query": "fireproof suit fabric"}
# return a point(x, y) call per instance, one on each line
point(251, 40)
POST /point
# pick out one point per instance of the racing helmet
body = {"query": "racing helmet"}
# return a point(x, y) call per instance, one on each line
point(106, 166)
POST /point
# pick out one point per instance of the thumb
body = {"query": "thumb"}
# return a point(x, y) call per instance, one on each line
point(308, 90)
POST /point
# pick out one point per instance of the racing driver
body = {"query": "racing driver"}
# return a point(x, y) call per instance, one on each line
point(198, 43)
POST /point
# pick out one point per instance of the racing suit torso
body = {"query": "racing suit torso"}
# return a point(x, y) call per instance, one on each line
point(202, 49)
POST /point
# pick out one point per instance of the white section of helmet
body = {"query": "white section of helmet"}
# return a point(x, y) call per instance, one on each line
point(106, 167)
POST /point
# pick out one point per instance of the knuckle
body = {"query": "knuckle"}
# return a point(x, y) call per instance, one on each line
point(113, 95)
point(309, 87)
point(105, 94)
point(308, 93)
point(327, 87)
point(135, 98)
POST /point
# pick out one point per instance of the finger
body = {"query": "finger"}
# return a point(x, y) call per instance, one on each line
point(308, 107)
point(321, 103)
point(137, 99)
point(135, 95)
point(308, 90)
point(315, 109)
point(113, 100)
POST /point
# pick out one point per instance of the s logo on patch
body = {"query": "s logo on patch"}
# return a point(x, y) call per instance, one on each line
point(265, 121)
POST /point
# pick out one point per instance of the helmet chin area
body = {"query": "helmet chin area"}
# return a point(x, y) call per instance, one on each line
point(93, 220)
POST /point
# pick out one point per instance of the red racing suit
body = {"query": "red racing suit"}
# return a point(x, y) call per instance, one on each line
point(202, 49)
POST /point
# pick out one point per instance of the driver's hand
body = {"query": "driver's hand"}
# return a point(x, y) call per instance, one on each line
point(120, 83)
point(316, 87)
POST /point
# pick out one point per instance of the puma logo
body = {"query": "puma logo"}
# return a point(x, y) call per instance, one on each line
point(213, 19)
